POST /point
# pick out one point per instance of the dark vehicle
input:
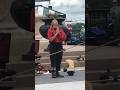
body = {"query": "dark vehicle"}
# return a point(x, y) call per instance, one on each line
point(95, 35)
point(75, 40)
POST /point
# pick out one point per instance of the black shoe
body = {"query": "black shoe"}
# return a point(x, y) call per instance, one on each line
point(54, 74)
point(58, 75)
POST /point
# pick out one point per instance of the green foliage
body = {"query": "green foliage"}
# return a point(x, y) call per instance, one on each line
point(78, 29)
point(77, 26)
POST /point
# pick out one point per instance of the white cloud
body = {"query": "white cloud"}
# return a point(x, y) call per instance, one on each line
point(74, 9)
point(65, 2)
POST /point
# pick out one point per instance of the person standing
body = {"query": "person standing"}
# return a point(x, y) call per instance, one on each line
point(69, 27)
point(56, 36)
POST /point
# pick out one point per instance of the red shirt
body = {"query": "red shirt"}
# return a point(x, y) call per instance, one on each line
point(59, 38)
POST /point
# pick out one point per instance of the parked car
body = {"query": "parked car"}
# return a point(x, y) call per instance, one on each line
point(75, 40)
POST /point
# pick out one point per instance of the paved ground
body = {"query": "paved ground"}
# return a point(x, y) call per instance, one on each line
point(76, 82)
point(77, 85)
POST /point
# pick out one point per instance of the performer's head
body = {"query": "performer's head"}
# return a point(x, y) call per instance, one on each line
point(54, 23)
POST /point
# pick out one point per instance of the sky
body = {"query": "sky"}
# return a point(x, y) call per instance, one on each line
point(74, 9)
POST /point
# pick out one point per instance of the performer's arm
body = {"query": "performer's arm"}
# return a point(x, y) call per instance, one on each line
point(62, 35)
point(52, 37)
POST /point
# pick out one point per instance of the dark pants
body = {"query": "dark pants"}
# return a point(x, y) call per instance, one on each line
point(55, 58)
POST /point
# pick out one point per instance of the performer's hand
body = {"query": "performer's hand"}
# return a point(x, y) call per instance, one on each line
point(57, 30)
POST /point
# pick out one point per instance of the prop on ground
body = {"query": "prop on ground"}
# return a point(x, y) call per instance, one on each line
point(71, 67)
point(39, 68)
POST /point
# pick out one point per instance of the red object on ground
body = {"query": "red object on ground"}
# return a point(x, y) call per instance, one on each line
point(41, 69)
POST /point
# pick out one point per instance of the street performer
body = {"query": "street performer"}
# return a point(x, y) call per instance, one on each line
point(56, 36)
